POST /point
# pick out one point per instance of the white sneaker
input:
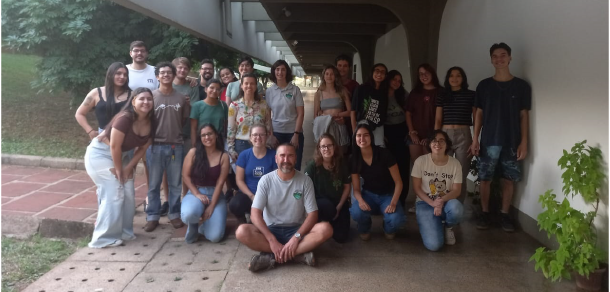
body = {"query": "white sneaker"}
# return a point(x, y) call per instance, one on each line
point(411, 210)
point(116, 243)
point(449, 236)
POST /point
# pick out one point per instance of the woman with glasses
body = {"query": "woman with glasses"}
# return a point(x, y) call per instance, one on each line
point(379, 192)
point(252, 164)
point(247, 110)
point(328, 172)
point(204, 172)
point(437, 181)
point(454, 112)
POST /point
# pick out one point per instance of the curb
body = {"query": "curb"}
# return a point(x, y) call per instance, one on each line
point(23, 226)
point(51, 162)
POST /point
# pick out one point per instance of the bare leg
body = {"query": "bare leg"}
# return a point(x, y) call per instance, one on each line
point(484, 190)
point(507, 195)
point(415, 151)
point(319, 234)
point(250, 236)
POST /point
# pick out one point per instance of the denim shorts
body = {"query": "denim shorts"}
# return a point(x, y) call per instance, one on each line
point(489, 158)
point(283, 234)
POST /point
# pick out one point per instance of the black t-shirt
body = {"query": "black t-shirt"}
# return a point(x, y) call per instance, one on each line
point(377, 177)
point(502, 103)
point(370, 104)
point(457, 106)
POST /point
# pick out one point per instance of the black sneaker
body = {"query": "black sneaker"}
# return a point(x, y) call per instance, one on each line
point(164, 209)
point(483, 221)
point(262, 261)
point(507, 223)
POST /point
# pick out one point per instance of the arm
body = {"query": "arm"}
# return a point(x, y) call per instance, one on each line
point(417, 182)
point(299, 127)
point(478, 124)
point(348, 104)
point(358, 194)
point(316, 104)
point(438, 118)
point(412, 132)
point(454, 193)
point(116, 141)
point(353, 119)
point(187, 166)
point(128, 170)
point(193, 132)
point(240, 174)
point(397, 188)
point(346, 189)
point(81, 113)
point(224, 171)
point(232, 131)
point(524, 124)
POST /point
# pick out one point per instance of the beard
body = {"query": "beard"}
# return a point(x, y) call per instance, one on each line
point(207, 76)
point(286, 167)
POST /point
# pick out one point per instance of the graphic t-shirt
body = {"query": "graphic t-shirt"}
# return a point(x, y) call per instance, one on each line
point(170, 111)
point(370, 104)
point(285, 203)
point(436, 180)
point(143, 78)
point(396, 115)
point(327, 185)
point(255, 168)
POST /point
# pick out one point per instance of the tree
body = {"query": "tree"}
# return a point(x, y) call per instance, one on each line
point(79, 39)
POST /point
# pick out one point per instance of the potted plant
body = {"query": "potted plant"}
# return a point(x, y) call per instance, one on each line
point(573, 229)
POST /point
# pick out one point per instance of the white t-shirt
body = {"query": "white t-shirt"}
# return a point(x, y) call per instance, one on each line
point(436, 180)
point(283, 104)
point(143, 78)
point(285, 203)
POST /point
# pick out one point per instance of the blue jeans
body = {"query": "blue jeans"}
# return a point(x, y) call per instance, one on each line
point(431, 227)
point(214, 228)
point(283, 234)
point(159, 160)
point(378, 203)
point(285, 138)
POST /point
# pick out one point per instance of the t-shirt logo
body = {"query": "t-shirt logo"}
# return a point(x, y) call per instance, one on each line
point(150, 81)
point(297, 195)
point(288, 95)
point(427, 98)
point(258, 171)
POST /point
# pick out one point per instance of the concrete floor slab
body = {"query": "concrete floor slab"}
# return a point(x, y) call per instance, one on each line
point(87, 276)
point(177, 282)
point(199, 256)
point(142, 249)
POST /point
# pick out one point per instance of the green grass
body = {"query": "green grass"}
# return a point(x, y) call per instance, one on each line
point(36, 124)
point(24, 261)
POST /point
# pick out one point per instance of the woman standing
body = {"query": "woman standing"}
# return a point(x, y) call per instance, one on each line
point(204, 172)
point(437, 180)
point(106, 100)
point(247, 110)
point(110, 163)
point(421, 108)
point(370, 103)
point(331, 104)
point(395, 128)
point(454, 113)
point(288, 110)
point(328, 172)
point(226, 76)
point(252, 164)
point(381, 188)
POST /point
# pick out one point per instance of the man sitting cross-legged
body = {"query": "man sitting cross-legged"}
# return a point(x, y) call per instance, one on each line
point(284, 215)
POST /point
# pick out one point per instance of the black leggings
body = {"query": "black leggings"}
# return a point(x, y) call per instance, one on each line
point(240, 205)
point(327, 211)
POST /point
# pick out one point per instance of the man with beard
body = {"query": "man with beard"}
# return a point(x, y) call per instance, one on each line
point(140, 73)
point(284, 215)
point(205, 74)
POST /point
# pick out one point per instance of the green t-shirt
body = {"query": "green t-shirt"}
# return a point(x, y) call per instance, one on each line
point(206, 114)
point(327, 185)
point(193, 94)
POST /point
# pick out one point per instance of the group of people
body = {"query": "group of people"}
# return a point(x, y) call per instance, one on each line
point(200, 136)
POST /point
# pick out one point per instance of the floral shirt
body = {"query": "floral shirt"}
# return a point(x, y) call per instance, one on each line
point(242, 117)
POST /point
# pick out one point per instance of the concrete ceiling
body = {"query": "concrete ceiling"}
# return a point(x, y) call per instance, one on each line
point(317, 33)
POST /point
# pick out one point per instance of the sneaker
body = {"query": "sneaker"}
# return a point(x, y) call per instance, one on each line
point(164, 209)
point(262, 261)
point(116, 243)
point(306, 258)
point(365, 236)
point(449, 236)
point(483, 221)
point(151, 225)
point(507, 223)
point(411, 210)
point(390, 236)
point(177, 223)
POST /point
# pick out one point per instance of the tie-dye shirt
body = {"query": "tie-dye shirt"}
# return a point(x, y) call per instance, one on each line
point(242, 117)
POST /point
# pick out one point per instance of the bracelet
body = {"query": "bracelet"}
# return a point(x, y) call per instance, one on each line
point(90, 131)
point(412, 132)
point(297, 132)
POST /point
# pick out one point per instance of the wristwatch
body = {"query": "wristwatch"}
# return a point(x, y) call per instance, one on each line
point(298, 236)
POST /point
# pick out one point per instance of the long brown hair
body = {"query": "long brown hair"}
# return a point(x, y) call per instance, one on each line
point(339, 88)
point(337, 155)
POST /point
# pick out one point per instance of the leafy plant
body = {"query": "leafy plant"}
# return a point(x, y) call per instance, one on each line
point(573, 229)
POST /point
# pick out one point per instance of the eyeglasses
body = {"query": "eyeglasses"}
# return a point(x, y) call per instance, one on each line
point(162, 73)
point(326, 147)
point(205, 135)
point(138, 51)
point(439, 142)
point(257, 135)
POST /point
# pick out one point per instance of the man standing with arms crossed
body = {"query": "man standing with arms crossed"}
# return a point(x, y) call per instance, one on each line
point(502, 119)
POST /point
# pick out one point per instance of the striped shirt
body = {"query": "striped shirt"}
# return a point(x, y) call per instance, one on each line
point(457, 106)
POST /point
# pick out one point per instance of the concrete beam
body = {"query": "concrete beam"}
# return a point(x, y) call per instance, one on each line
point(330, 12)
point(273, 36)
point(376, 29)
point(254, 11)
point(265, 26)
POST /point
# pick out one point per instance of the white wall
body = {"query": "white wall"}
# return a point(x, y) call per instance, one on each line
point(561, 48)
point(391, 49)
point(356, 61)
